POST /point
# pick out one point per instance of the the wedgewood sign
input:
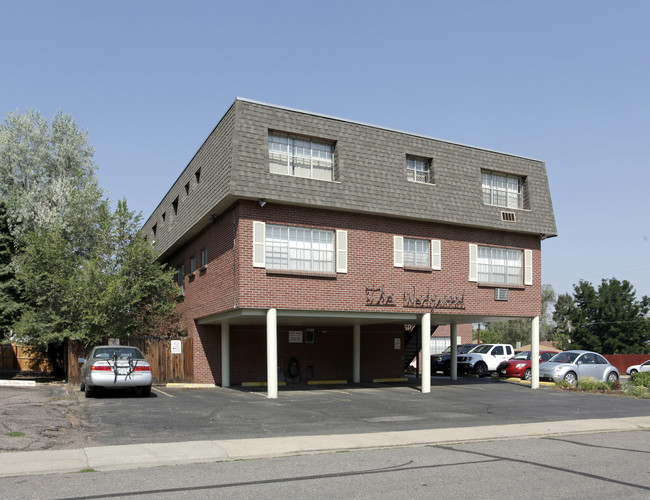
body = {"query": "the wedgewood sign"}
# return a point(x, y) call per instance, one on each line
point(377, 296)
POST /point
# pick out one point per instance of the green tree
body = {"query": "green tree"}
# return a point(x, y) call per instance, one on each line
point(10, 303)
point(545, 320)
point(113, 289)
point(85, 272)
point(45, 172)
point(561, 333)
point(610, 320)
point(519, 330)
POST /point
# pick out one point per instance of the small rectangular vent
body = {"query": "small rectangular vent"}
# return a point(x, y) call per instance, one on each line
point(501, 294)
point(508, 217)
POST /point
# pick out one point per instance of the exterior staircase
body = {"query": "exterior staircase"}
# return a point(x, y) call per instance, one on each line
point(412, 344)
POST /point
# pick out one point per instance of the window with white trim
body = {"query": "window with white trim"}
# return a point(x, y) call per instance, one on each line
point(500, 265)
point(416, 253)
point(204, 257)
point(300, 156)
point(299, 249)
point(502, 190)
point(419, 170)
point(412, 252)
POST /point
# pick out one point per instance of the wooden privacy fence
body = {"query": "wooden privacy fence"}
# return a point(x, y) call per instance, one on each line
point(16, 357)
point(622, 361)
point(166, 366)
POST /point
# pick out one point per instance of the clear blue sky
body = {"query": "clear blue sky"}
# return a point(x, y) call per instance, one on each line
point(567, 82)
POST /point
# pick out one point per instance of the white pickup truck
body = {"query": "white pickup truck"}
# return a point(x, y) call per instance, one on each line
point(484, 358)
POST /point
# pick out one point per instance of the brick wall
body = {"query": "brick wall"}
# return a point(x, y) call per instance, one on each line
point(230, 281)
point(370, 263)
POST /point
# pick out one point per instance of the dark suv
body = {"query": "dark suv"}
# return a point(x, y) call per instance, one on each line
point(441, 362)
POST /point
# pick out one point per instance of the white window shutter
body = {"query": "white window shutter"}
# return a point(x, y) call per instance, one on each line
point(341, 251)
point(436, 261)
point(398, 251)
point(528, 267)
point(473, 262)
point(259, 244)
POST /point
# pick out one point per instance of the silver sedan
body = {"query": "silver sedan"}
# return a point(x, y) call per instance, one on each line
point(573, 366)
point(115, 367)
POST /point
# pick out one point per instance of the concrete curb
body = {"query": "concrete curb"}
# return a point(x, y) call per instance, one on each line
point(105, 458)
point(17, 383)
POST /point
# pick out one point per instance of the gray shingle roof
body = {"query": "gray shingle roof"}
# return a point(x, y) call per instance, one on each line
point(371, 162)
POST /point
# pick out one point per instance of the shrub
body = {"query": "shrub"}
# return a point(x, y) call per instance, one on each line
point(562, 384)
point(640, 379)
point(614, 386)
point(591, 384)
point(637, 391)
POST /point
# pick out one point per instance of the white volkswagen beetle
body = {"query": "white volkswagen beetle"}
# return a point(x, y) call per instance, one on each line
point(115, 367)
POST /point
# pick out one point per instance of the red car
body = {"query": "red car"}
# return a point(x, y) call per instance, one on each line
point(519, 365)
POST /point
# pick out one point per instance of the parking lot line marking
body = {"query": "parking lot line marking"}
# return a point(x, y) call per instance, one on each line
point(162, 392)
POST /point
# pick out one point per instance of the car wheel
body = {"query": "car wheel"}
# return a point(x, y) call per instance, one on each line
point(571, 378)
point(612, 377)
point(89, 392)
point(145, 391)
point(528, 375)
point(481, 369)
point(82, 385)
point(632, 372)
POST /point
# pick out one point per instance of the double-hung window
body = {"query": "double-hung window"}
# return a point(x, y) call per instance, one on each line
point(300, 156)
point(412, 252)
point(299, 249)
point(500, 265)
point(418, 169)
point(502, 190)
point(416, 253)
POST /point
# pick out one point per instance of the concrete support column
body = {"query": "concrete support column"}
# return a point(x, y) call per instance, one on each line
point(453, 360)
point(356, 354)
point(426, 352)
point(272, 353)
point(225, 355)
point(534, 353)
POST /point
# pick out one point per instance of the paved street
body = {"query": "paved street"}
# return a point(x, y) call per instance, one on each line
point(591, 466)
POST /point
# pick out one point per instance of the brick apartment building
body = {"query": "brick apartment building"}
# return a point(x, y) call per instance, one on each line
point(313, 248)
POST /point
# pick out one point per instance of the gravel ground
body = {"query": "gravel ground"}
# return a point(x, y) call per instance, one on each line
point(44, 417)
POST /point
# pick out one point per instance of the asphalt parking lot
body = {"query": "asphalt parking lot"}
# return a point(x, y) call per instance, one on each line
point(69, 420)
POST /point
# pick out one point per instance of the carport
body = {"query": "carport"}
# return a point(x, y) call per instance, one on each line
point(272, 318)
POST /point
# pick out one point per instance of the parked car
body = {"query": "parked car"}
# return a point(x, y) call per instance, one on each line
point(643, 367)
point(573, 366)
point(115, 367)
point(484, 358)
point(519, 365)
point(442, 362)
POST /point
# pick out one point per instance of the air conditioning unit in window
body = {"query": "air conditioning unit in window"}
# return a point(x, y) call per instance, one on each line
point(501, 294)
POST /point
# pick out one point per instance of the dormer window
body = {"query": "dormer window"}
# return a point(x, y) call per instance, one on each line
point(419, 169)
point(502, 190)
point(300, 156)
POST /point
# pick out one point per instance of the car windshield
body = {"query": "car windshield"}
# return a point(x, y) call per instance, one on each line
point(120, 352)
point(525, 355)
point(482, 349)
point(463, 349)
point(564, 357)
